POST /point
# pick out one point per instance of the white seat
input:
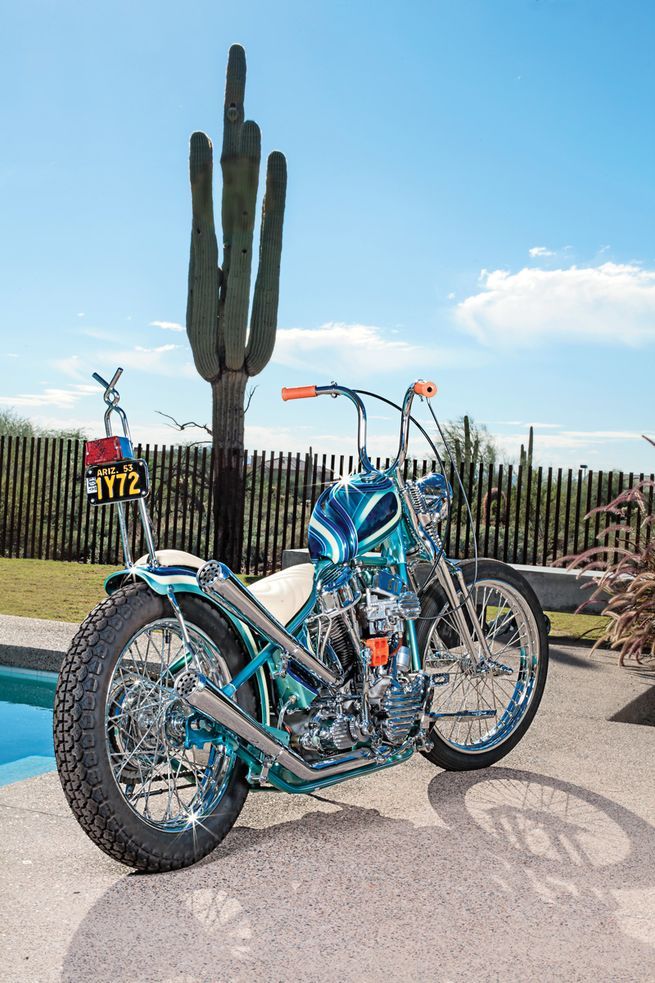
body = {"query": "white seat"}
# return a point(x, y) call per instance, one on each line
point(283, 593)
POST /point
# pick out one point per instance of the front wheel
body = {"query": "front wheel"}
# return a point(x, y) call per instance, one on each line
point(134, 785)
point(487, 702)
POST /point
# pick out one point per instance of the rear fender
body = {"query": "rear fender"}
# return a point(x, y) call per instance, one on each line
point(183, 581)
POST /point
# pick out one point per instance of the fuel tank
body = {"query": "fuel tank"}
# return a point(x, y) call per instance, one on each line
point(353, 516)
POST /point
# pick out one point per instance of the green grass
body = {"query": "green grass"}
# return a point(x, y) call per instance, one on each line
point(52, 589)
point(586, 627)
point(60, 591)
point(581, 627)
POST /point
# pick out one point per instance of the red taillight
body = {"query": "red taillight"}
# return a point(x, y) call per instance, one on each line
point(107, 449)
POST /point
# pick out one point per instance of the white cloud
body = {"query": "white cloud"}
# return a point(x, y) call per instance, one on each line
point(338, 347)
point(81, 314)
point(99, 333)
point(157, 350)
point(340, 343)
point(70, 366)
point(60, 398)
point(155, 361)
point(604, 434)
point(167, 325)
point(10, 355)
point(552, 447)
point(610, 303)
point(540, 251)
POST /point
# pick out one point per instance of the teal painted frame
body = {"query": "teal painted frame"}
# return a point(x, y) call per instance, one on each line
point(267, 660)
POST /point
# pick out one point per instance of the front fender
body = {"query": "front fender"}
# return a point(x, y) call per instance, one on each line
point(182, 580)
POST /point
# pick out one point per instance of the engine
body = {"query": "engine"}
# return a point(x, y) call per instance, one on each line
point(360, 624)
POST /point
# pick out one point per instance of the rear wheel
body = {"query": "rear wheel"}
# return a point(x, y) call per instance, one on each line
point(486, 703)
point(119, 727)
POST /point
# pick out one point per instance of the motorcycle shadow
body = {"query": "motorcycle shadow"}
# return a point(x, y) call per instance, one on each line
point(526, 876)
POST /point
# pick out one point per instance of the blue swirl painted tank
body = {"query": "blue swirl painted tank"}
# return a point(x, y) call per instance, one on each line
point(353, 516)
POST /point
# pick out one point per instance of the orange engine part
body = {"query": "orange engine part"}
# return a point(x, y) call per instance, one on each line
point(379, 649)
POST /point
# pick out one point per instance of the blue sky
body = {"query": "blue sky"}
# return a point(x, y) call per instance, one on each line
point(470, 199)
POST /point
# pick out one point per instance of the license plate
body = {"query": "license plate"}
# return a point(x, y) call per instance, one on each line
point(120, 481)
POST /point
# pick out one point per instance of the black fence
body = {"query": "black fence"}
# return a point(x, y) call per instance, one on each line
point(520, 514)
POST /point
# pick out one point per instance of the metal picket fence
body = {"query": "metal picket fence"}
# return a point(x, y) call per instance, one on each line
point(519, 514)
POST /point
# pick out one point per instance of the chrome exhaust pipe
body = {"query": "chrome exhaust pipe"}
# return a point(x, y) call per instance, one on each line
point(217, 580)
point(200, 693)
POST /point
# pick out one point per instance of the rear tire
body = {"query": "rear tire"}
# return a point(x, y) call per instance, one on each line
point(443, 753)
point(83, 749)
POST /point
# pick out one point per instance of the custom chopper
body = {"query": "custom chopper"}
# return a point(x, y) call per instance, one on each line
point(185, 689)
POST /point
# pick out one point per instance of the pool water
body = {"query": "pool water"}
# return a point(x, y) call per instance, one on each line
point(26, 701)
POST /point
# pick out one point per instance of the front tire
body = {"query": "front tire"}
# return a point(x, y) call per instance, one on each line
point(510, 686)
point(135, 789)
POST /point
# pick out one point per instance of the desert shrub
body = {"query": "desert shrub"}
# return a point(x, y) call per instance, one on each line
point(624, 553)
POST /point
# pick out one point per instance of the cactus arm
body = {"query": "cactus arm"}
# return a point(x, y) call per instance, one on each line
point(244, 194)
point(204, 272)
point(263, 321)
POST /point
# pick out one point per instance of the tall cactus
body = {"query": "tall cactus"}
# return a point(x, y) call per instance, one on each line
point(525, 459)
point(467, 450)
point(226, 349)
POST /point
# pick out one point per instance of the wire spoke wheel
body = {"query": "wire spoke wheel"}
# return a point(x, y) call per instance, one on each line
point(169, 786)
point(490, 690)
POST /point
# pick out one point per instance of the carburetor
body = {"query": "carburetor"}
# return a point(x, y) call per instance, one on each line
point(388, 604)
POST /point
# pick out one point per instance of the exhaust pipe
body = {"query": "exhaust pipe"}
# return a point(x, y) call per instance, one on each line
point(200, 693)
point(217, 580)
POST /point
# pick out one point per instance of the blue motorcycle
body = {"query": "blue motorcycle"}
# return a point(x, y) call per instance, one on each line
point(184, 689)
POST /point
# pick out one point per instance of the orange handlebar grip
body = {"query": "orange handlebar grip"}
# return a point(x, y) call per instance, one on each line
point(298, 392)
point(427, 389)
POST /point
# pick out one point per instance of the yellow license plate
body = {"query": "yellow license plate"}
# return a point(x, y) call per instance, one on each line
point(118, 481)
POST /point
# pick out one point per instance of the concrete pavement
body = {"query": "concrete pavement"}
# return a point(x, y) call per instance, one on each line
point(542, 867)
point(34, 643)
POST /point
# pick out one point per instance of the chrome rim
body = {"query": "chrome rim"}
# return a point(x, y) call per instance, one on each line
point(484, 699)
point(168, 786)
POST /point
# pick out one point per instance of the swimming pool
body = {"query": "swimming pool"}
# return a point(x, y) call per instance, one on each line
point(26, 700)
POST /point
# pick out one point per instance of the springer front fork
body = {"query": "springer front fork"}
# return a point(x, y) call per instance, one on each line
point(462, 604)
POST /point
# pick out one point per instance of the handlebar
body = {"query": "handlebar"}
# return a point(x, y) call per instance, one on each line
point(108, 386)
point(427, 389)
point(112, 397)
point(298, 392)
point(419, 388)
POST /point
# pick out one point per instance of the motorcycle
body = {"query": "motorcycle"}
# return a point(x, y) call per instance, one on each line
point(185, 689)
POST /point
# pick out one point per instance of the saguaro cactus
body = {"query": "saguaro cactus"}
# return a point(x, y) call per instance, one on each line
point(466, 446)
point(226, 349)
point(525, 458)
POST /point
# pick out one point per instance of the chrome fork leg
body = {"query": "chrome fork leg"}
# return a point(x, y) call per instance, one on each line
point(457, 606)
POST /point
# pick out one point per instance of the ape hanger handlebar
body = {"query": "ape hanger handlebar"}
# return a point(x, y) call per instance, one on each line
point(419, 388)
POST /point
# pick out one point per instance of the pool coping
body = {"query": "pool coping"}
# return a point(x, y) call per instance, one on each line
point(34, 643)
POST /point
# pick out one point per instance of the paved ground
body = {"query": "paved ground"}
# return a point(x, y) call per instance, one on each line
point(540, 869)
point(34, 643)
